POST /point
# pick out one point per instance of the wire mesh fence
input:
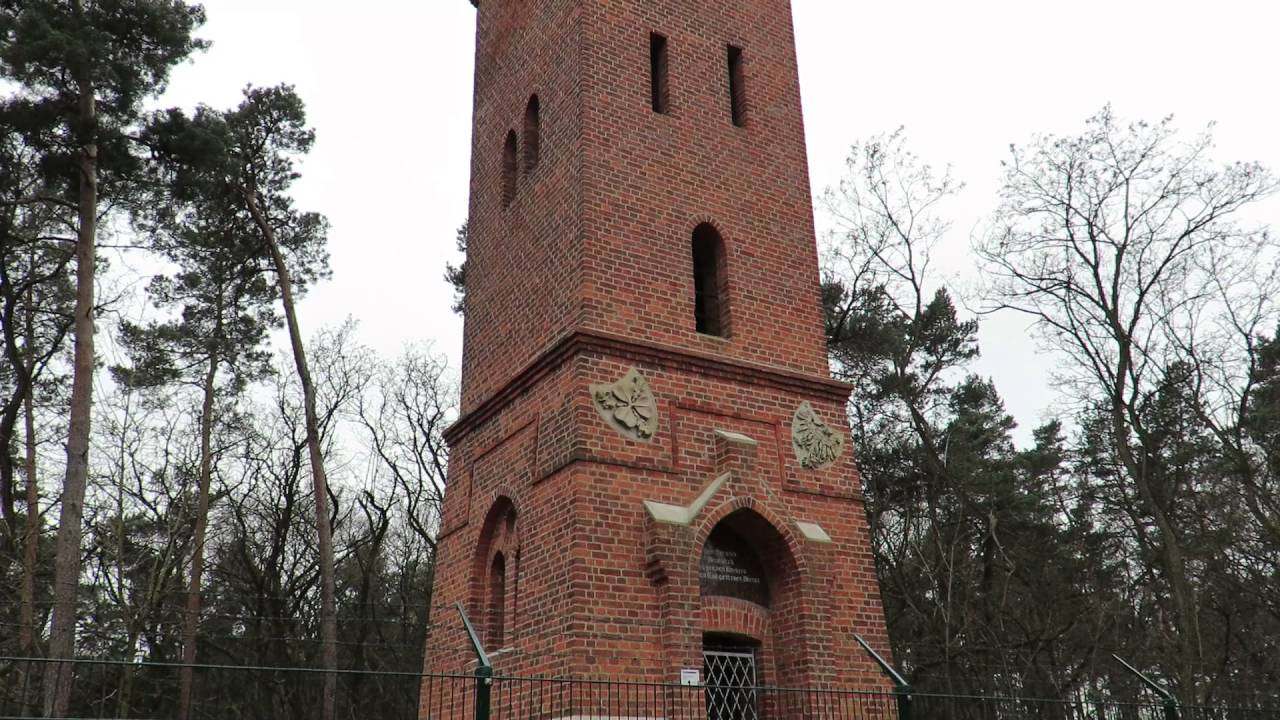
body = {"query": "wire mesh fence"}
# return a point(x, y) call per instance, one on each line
point(144, 690)
point(974, 707)
point(139, 691)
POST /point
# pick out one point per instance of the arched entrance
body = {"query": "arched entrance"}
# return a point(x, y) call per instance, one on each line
point(494, 575)
point(748, 583)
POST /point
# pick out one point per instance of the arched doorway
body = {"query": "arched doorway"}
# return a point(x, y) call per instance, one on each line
point(748, 581)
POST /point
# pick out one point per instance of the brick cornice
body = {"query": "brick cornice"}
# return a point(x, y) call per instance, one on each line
point(581, 342)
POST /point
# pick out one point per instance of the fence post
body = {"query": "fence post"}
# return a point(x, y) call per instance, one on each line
point(902, 688)
point(484, 671)
point(1170, 703)
point(484, 687)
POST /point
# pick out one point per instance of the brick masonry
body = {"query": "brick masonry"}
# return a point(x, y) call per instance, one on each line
point(586, 274)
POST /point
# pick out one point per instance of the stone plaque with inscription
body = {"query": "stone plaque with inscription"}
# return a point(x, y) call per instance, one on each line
point(731, 568)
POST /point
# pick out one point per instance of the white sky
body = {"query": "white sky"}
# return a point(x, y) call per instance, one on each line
point(388, 89)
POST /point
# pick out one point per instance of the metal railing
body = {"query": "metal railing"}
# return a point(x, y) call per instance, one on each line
point(137, 691)
point(143, 690)
point(511, 698)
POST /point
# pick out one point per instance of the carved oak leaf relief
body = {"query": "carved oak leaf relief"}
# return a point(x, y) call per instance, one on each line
point(628, 405)
point(817, 446)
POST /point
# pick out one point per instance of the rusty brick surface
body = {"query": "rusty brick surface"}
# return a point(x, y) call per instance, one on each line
point(587, 274)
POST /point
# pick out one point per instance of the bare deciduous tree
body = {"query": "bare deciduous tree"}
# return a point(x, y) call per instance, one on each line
point(1125, 247)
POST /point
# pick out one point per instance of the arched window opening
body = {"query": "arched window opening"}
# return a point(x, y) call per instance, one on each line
point(532, 134)
point(710, 284)
point(510, 168)
point(497, 601)
point(494, 584)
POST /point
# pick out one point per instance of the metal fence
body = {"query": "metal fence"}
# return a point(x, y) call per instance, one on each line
point(137, 691)
point(149, 690)
point(543, 698)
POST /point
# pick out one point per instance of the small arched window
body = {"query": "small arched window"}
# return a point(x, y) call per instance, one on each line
point(710, 282)
point(510, 168)
point(497, 601)
point(532, 134)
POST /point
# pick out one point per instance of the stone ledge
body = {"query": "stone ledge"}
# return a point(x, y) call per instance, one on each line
point(813, 532)
point(578, 342)
point(684, 515)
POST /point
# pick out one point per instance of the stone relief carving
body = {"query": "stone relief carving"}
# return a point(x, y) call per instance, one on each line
point(628, 405)
point(817, 446)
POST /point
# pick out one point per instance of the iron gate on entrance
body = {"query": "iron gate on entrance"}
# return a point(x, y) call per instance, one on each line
point(730, 678)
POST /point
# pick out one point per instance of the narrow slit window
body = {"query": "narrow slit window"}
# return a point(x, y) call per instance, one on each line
point(710, 311)
point(659, 91)
point(532, 134)
point(497, 601)
point(737, 87)
point(510, 168)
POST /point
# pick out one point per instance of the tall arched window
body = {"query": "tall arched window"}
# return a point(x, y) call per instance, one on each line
point(510, 168)
point(497, 601)
point(495, 575)
point(532, 134)
point(710, 282)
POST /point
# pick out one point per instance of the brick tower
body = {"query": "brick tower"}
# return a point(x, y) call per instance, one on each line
point(652, 461)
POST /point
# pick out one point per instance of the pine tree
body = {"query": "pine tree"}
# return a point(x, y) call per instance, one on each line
point(84, 69)
point(244, 160)
point(36, 297)
point(225, 303)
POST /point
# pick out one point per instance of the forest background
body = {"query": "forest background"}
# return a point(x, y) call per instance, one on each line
point(189, 477)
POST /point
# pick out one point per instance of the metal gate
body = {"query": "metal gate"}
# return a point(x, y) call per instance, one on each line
point(731, 684)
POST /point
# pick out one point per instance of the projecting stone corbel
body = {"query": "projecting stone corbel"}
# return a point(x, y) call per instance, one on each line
point(735, 453)
point(684, 515)
point(813, 532)
point(736, 438)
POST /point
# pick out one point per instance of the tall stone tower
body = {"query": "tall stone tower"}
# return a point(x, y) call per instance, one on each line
point(652, 461)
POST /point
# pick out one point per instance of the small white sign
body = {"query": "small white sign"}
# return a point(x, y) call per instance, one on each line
point(689, 676)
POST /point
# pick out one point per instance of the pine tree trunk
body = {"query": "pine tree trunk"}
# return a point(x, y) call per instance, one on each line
point(191, 617)
point(30, 541)
point(324, 536)
point(62, 633)
point(126, 599)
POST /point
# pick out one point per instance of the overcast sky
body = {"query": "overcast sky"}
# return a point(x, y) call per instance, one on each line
point(388, 89)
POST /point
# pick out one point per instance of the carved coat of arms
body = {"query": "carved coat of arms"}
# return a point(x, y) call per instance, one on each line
point(628, 405)
point(817, 446)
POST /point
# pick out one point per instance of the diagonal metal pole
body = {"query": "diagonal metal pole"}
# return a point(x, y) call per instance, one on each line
point(484, 671)
point(902, 688)
point(1170, 702)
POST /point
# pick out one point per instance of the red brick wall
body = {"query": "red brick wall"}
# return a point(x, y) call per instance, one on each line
point(598, 584)
point(651, 178)
point(524, 260)
point(599, 233)
point(588, 274)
